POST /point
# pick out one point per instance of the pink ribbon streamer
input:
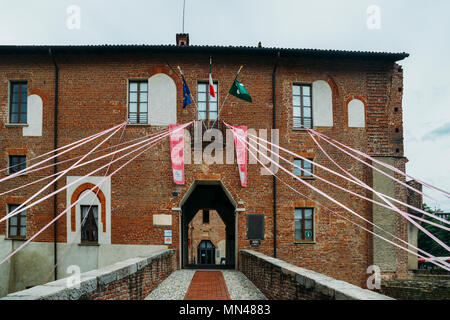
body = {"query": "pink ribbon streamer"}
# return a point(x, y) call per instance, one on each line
point(323, 194)
point(85, 163)
point(79, 199)
point(64, 172)
point(156, 138)
point(354, 223)
point(350, 180)
point(96, 135)
point(28, 171)
point(404, 214)
point(328, 140)
point(24, 171)
point(340, 187)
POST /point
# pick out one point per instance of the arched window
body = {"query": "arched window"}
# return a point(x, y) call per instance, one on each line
point(322, 104)
point(356, 114)
point(162, 100)
point(206, 244)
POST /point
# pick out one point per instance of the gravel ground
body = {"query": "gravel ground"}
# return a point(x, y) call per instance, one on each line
point(240, 288)
point(174, 287)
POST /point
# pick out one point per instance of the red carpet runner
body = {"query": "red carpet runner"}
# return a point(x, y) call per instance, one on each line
point(207, 285)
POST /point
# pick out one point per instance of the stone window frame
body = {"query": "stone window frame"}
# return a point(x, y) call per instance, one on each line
point(302, 84)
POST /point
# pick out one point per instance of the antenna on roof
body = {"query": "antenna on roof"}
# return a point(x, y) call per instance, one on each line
point(184, 6)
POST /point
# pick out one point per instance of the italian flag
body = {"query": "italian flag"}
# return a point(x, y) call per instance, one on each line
point(211, 85)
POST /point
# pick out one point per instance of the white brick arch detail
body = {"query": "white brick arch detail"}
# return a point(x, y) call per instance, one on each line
point(162, 100)
point(356, 114)
point(322, 104)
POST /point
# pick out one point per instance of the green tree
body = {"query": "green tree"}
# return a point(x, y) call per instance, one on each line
point(429, 245)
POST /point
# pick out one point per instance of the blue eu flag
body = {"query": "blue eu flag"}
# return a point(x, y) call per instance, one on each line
point(186, 93)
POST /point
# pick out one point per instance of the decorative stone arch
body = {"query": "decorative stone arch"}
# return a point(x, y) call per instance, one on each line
point(356, 111)
point(76, 194)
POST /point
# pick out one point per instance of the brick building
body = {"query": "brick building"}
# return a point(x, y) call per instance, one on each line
point(70, 92)
point(206, 239)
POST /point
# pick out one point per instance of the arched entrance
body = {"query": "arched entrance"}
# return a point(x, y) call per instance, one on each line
point(214, 196)
point(206, 252)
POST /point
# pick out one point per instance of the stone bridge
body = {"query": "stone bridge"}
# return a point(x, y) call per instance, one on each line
point(156, 277)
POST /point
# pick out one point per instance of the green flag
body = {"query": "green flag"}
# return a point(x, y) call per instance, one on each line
point(238, 90)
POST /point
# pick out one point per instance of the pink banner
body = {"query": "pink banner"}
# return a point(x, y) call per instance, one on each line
point(241, 152)
point(177, 152)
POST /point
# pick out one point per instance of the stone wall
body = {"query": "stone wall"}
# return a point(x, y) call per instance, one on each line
point(132, 279)
point(279, 280)
point(423, 286)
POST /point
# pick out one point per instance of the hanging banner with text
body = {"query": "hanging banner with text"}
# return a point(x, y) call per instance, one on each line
point(241, 152)
point(177, 152)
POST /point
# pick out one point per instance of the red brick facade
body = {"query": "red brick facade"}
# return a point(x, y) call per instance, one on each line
point(93, 97)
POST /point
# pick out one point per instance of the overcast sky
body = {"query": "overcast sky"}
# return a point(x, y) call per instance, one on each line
point(405, 26)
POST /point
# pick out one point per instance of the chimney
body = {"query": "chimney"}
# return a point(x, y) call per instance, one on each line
point(182, 39)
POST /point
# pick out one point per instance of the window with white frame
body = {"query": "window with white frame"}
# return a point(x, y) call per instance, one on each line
point(302, 106)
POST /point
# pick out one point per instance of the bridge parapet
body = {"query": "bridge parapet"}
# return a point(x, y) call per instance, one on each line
point(279, 280)
point(132, 279)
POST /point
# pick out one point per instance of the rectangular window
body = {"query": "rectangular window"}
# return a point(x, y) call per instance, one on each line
point(305, 165)
point(17, 225)
point(18, 102)
point(304, 224)
point(207, 105)
point(138, 101)
point(17, 163)
point(205, 216)
point(89, 224)
point(302, 106)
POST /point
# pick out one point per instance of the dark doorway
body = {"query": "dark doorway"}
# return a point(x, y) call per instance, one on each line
point(211, 195)
point(206, 252)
